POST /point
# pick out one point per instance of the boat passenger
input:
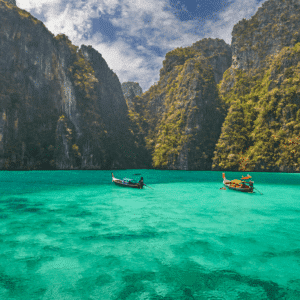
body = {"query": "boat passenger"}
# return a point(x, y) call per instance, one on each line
point(141, 182)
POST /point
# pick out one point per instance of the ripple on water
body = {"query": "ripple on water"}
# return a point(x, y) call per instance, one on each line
point(3, 216)
point(91, 281)
point(132, 235)
point(51, 249)
point(16, 204)
point(16, 286)
point(95, 236)
point(294, 288)
point(208, 283)
point(23, 206)
point(96, 224)
point(80, 213)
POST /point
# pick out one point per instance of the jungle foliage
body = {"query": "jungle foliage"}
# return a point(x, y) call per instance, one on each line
point(178, 115)
point(274, 26)
point(83, 77)
point(262, 128)
point(23, 144)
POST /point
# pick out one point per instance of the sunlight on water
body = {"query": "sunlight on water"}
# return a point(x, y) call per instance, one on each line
point(75, 235)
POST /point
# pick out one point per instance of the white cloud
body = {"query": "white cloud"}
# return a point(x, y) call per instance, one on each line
point(122, 59)
point(107, 6)
point(235, 12)
point(36, 5)
point(141, 27)
point(74, 22)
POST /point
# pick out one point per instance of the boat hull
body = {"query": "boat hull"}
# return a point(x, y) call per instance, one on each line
point(120, 183)
point(245, 190)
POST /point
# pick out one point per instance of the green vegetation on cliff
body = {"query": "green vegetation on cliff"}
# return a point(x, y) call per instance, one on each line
point(262, 126)
point(83, 76)
point(22, 140)
point(274, 26)
point(181, 116)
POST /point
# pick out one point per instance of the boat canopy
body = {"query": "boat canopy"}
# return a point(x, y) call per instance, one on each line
point(236, 181)
point(128, 180)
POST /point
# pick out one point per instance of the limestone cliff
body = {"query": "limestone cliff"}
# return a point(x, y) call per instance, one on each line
point(257, 97)
point(215, 106)
point(13, 2)
point(61, 107)
point(181, 116)
point(130, 90)
point(261, 91)
point(274, 26)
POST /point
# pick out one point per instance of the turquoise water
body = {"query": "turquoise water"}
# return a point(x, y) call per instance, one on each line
point(75, 235)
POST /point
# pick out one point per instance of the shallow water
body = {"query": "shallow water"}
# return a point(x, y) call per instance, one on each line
point(75, 235)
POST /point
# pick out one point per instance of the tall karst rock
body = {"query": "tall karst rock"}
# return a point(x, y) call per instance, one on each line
point(181, 116)
point(13, 2)
point(274, 26)
point(60, 106)
point(130, 90)
point(261, 131)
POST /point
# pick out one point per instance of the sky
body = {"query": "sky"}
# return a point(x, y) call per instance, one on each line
point(133, 36)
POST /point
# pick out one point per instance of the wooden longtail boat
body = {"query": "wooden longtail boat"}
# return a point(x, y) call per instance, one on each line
point(239, 185)
point(126, 182)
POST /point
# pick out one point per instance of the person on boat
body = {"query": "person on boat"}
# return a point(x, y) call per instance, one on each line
point(141, 182)
point(127, 181)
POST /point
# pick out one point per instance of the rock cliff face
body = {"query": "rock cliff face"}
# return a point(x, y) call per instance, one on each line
point(130, 90)
point(13, 2)
point(61, 107)
point(181, 116)
point(214, 107)
point(261, 91)
point(257, 97)
point(274, 26)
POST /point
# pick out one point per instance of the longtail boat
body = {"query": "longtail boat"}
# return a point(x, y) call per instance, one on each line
point(243, 185)
point(126, 182)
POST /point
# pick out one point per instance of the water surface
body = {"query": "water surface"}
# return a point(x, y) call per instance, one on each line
point(75, 235)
